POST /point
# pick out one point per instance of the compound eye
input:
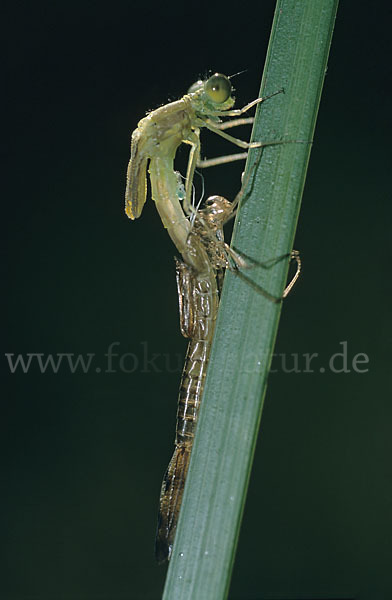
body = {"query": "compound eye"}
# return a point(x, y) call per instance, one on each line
point(218, 88)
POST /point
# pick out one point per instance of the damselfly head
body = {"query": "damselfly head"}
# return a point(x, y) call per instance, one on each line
point(214, 93)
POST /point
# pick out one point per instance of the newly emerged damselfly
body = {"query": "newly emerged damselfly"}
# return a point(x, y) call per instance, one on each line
point(157, 138)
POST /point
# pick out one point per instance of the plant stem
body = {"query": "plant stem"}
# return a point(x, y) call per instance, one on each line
point(215, 491)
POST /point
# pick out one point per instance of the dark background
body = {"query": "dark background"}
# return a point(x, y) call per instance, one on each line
point(84, 453)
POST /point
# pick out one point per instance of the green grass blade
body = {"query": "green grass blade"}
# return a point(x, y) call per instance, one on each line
point(215, 492)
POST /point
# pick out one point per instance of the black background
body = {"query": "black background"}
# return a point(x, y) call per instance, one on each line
point(84, 453)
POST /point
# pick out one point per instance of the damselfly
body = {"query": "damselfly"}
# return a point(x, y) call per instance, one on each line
point(157, 138)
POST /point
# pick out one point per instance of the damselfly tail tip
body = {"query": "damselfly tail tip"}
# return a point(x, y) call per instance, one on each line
point(162, 550)
point(163, 541)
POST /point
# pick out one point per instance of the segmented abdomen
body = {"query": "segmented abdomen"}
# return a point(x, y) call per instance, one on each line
point(196, 361)
point(198, 309)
